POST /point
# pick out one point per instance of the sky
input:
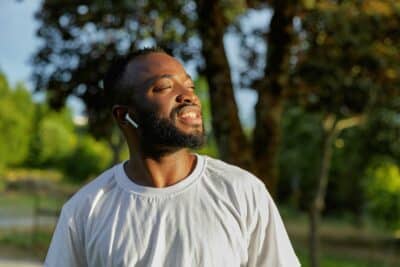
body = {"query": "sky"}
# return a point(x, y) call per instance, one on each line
point(19, 42)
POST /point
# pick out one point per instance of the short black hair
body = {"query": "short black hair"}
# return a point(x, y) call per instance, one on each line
point(114, 89)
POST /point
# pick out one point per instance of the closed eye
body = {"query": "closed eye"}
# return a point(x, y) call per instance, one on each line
point(163, 83)
point(191, 86)
point(161, 88)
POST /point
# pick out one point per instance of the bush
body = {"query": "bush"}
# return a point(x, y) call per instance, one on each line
point(90, 158)
point(382, 187)
point(16, 108)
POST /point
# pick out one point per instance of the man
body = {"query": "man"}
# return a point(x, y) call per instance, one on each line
point(166, 206)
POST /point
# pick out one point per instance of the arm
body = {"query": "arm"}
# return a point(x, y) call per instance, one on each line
point(66, 248)
point(269, 244)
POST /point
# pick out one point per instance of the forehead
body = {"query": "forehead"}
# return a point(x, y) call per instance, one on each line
point(145, 68)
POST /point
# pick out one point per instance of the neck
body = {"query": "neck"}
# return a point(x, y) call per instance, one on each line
point(160, 170)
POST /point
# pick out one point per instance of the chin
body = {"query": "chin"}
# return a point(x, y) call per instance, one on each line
point(193, 129)
point(157, 132)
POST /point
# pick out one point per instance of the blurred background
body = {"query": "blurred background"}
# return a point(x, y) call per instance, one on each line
point(305, 94)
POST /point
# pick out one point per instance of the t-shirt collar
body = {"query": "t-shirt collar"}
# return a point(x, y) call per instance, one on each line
point(127, 184)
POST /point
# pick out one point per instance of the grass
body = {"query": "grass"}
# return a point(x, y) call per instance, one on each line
point(344, 243)
point(334, 258)
point(25, 244)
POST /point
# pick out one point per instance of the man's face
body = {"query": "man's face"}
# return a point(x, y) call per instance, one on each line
point(167, 107)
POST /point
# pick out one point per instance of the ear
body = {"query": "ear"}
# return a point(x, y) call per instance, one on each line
point(118, 112)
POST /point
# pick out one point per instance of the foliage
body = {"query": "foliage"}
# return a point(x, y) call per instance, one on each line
point(210, 148)
point(345, 67)
point(34, 136)
point(19, 174)
point(382, 187)
point(300, 150)
point(23, 240)
point(56, 137)
point(58, 143)
point(351, 156)
point(361, 45)
point(52, 138)
point(356, 149)
point(383, 130)
point(16, 109)
point(89, 159)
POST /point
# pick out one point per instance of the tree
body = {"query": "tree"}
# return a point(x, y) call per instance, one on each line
point(16, 109)
point(57, 143)
point(231, 141)
point(56, 137)
point(259, 154)
point(272, 88)
point(359, 40)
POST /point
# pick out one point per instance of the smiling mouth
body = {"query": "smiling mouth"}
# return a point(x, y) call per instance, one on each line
point(190, 115)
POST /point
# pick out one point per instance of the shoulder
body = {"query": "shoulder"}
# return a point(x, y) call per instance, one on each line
point(231, 184)
point(226, 173)
point(86, 197)
point(235, 183)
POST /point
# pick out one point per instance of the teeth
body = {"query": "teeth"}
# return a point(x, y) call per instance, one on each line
point(191, 115)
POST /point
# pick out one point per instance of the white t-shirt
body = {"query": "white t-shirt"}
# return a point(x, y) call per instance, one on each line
point(218, 216)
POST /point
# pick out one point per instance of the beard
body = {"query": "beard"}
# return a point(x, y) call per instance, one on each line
point(161, 134)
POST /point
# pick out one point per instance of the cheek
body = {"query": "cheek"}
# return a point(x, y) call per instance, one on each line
point(162, 106)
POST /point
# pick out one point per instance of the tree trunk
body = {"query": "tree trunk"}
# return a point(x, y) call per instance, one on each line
point(269, 108)
point(332, 128)
point(231, 140)
point(267, 137)
point(318, 202)
point(314, 243)
point(262, 157)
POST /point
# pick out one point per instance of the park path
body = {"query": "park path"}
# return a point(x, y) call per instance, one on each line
point(23, 222)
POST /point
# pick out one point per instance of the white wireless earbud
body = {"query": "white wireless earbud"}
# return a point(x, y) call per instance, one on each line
point(132, 122)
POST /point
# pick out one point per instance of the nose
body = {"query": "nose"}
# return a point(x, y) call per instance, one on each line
point(187, 96)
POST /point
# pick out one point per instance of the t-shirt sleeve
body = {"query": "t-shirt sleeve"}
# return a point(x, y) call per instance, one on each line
point(269, 244)
point(66, 248)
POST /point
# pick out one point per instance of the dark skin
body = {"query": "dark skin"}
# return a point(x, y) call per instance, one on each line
point(161, 85)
